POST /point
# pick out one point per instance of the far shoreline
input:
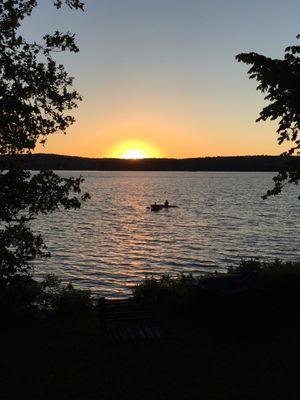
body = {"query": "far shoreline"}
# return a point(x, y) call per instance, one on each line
point(257, 163)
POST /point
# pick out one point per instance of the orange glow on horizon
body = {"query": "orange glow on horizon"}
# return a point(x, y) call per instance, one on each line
point(133, 150)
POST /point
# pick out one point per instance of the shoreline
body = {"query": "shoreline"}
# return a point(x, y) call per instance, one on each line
point(255, 163)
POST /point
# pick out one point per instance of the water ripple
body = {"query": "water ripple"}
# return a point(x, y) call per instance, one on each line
point(114, 241)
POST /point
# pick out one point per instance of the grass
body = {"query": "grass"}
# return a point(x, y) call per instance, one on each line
point(72, 360)
point(199, 357)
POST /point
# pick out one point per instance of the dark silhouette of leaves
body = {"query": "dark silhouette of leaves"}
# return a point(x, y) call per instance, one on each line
point(36, 98)
point(279, 80)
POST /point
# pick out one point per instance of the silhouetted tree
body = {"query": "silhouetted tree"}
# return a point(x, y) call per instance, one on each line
point(280, 81)
point(36, 97)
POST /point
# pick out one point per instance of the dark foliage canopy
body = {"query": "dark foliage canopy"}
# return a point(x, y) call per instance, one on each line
point(279, 80)
point(36, 98)
point(34, 90)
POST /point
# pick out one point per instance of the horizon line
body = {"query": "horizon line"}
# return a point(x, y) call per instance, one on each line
point(148, 158)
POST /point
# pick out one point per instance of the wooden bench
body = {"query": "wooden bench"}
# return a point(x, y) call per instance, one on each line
point(127, 320)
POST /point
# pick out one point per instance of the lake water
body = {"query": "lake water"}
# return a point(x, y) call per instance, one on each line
point(114, 241)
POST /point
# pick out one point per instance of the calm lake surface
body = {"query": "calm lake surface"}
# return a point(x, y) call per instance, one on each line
point(114, 241)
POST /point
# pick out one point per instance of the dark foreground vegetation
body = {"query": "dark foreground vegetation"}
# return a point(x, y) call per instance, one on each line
point(242, 345)
point(72, 163)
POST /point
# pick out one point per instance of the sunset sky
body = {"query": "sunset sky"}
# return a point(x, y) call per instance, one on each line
point(161, 76)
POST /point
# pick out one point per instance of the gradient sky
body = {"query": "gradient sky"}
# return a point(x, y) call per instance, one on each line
point(163, 72)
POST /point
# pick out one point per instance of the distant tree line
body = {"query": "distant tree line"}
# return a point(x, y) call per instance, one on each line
point(235, 163)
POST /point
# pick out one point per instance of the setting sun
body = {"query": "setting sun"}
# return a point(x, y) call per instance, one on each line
point(134, 154)
point(134, 150)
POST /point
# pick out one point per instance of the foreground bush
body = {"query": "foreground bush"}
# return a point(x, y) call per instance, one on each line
point(274, 280)
point(24, 296)
point(63, 299)
point(278, 278)
point(166, 291)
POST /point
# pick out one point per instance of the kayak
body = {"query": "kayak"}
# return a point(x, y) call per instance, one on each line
point(158, 207)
